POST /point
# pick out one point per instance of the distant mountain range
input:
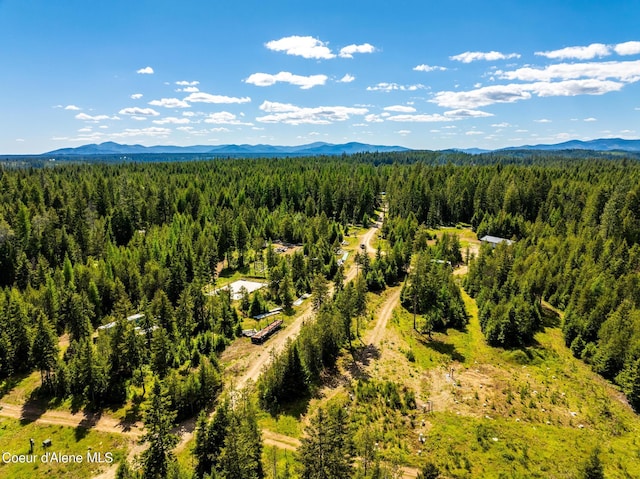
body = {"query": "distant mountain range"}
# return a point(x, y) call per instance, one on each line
point(321, 148)
point(603, 144)
point(318, 148)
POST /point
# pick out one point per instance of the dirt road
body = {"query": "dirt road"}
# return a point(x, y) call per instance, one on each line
point(366, 240)
point(95, 422)
point(374, 337)
point(272, 346)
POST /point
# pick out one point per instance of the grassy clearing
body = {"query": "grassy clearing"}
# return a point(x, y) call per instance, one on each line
point(287, 423)
point(14, 439)
point(530, 412)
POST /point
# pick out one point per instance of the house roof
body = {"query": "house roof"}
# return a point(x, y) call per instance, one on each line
point(495, 240)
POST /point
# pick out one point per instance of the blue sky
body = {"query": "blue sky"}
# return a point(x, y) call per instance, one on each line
point(421, 74)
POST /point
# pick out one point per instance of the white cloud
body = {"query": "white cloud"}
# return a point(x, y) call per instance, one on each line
point(187, 83)
point(20, 140)
point(468, 57)
point(152, 131)
point(306, 47)
point(170, 120)
point(86, 129)
point(304, 82)
point(145, 71)
point(276, 107)
point(224, 118)
point(516, 92)
point(465, 113)
point(504, 124)
point(188, 89)
point(419, 118)
point(139, 118)
point(394, 86)
point(592, 51)
point(428, 68)
point(590, 119)
point(347, 79)
point(72, 108)
point(372, 118)
point(85, 117)
point(452, 115)
point(474, 132)
point(580, 53)
point(188, 113)
point(575, 87)
point(403, 132)
point(400, 108)
point(627, 48)
point(349, 50)
point(134, 110)
point(184, 128)
point(170, 103)
point(220, 129)
point(202, 97)
point(623, 71)
point(542, 120)
point(136, 96)
point(295, 115)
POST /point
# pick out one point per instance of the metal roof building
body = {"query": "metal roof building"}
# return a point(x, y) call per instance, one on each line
point(494, 240)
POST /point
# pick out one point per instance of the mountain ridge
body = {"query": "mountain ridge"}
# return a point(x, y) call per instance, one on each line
point(316, 148)
point(323, 148)
point(600, 144)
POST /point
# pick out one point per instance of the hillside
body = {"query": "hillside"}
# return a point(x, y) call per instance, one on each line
point(318, 148)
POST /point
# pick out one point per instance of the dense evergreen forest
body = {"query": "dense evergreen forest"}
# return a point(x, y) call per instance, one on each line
point(84, 245)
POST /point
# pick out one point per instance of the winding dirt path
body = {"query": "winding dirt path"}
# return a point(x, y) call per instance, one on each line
point(273, 346)
point(366, 240)
point(96, 422)
point(375, 336)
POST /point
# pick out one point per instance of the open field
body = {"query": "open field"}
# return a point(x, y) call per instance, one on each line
point(495, 413)
point(14, 440)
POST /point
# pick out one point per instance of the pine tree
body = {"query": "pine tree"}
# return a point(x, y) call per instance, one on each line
point(201, 449)
point(241, 456)
point(44, 348)
point(429, 471)
point(325, 450)
point(158, 422)
point(320, 291)
point(592, 469)
point(216, 432)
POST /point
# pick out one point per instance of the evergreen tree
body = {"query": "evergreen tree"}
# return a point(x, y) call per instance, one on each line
point(319, 291)
point(241, 455)
point(44, 348)
point(592, 469)
point(325, 450)
point(158, 422)
point(429, 471)
point(201, 449)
